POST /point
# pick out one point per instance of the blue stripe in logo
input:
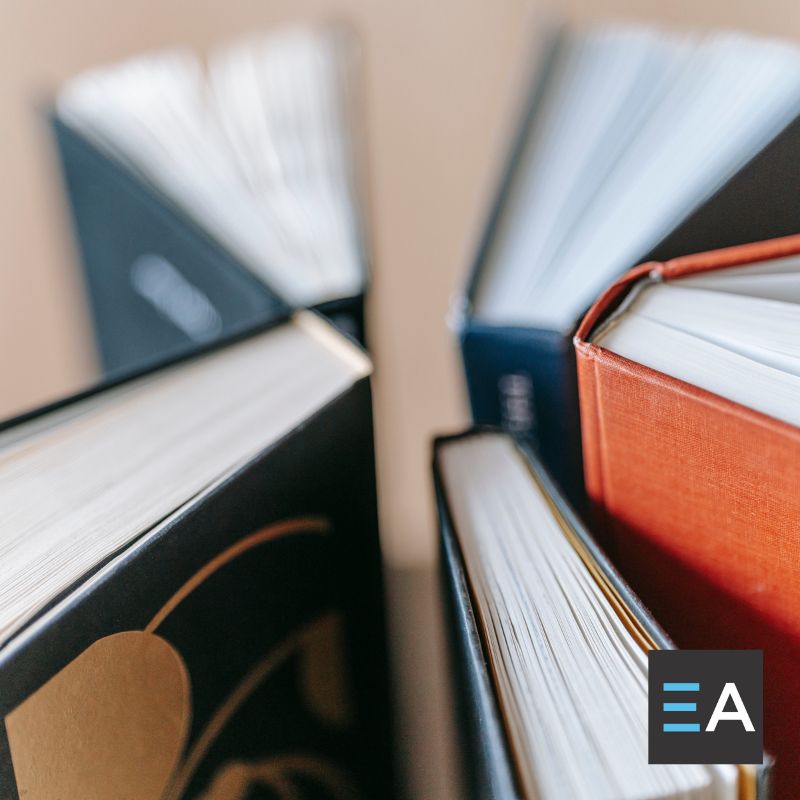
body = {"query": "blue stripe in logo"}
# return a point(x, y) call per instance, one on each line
point(680, 706)
point(681, 727)
point(681, 687)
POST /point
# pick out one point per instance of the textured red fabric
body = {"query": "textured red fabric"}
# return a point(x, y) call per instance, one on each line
point(698, 501)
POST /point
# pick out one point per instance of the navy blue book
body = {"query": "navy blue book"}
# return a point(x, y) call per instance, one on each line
point(635, 144)
point(547, 643)
point(210, 197)
point(192, 599)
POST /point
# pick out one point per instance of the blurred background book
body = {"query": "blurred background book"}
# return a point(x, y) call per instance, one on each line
point(208, 194)
point(441, 88)
point(637, 143)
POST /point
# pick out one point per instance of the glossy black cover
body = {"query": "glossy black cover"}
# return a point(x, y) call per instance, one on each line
point(280, 551)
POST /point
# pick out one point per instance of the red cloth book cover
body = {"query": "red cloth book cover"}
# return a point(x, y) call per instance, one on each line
point(698, 503)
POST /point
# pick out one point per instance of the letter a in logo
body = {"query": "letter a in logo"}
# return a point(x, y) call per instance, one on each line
point(705, 707)
point(730, 692)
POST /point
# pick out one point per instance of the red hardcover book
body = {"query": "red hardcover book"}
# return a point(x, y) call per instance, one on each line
point(697, 490)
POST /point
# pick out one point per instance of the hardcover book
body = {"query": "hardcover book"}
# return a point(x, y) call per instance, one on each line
point(635, 143)
point(191, 595)
point(689, 375)
point(210, 196)
point(549, 644)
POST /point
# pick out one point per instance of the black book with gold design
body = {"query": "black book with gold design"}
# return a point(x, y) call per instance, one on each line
point(190, 591)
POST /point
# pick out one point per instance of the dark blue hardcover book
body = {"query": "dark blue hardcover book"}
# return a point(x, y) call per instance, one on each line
point(157, 283)
point(524, 379)
point(235, 649)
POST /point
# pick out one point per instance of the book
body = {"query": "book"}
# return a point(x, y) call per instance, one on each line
point(689, 387)
point(210, 195)
point(191, 594)
point(548, 642)
point(636, 143)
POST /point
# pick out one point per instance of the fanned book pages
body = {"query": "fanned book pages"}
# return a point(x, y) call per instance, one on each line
point(226, 184)
point(637, 141)
point(565, 642)
point(689, 374)
point(190, 599)
point(637, 127)
point(252, 143)
point(734, 334)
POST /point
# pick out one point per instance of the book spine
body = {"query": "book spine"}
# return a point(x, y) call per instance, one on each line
point(523, 380)
point(594, 473)
point(487, 770)
point(157, 284)
point(590, 421)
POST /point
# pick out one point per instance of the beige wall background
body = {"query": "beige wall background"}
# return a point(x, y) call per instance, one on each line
point(442, 78)
point(441, 84)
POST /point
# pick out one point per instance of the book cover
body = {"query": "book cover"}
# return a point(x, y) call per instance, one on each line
point(158, 286)
point(235, 650)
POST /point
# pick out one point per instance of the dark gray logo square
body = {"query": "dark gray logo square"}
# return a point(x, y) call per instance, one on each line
point(705, 706)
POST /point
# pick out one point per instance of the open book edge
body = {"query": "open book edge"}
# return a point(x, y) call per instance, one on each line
point(724, 331)
point(120, 462)
point(520, 720)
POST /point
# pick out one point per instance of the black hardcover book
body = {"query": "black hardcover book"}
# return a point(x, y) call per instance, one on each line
point(200, 210)
point(537, 707)
point(634, 144)
point(192, 594)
